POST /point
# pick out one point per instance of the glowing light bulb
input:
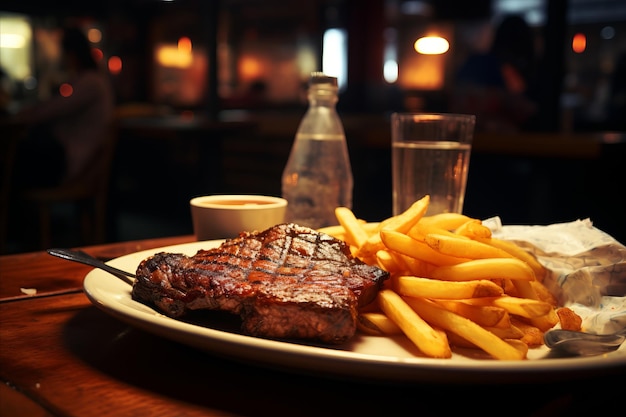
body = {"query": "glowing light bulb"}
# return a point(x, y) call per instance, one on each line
point(431, 45)
point(579, 43)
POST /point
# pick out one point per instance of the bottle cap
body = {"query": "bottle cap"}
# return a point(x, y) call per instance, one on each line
point(321, 78)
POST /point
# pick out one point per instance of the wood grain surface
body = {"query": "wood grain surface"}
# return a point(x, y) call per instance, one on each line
point(62, 356)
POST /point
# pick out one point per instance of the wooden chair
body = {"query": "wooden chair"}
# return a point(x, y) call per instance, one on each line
point(89, 193)
point(12, 134)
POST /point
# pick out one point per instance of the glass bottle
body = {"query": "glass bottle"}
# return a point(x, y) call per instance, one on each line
point(318, 175)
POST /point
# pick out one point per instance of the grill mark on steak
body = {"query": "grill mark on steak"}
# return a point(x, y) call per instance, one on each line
point(287, 281)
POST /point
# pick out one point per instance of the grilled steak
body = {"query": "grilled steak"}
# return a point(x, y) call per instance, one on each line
point(288, 281)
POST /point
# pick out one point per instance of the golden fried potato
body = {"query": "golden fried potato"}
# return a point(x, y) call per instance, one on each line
point(569, 319)
point(449, 278)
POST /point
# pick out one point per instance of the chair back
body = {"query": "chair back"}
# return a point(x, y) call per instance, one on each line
point(12, 134)
point(90, 191)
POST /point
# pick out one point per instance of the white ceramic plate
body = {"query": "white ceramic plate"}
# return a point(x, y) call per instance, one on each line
point(364, 357)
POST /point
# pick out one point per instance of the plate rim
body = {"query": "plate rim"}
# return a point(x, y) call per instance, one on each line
point(327, 360)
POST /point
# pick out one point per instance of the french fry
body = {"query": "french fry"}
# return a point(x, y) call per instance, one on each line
point(464, 248)
point(401, 260)
point(407, 219)
point(458, 341)
point(486, 268)
point(473, 228)
point(406, 245)
point(370, 259)
point(546, 322)
point(400, 223)
point(465, 328)
point(505, 322)
point(388, 262)
point(532, 335)
point(336, 231)
point(508, 287)
point(520, 345)
point(482, 315)
point(417, 267)
point(421, 229)
point(517, 252)
point(447, 221)
point(372, 245)
point(476, 290)
point(510, 332)
point(431, 342)
point(543, 293)
point(371, 228)
point(445, 290)
point(569, 319)
point(377, 324)
point(523, 307)
point(355, 234)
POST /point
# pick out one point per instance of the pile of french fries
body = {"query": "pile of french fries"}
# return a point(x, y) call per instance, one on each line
point(451, 284)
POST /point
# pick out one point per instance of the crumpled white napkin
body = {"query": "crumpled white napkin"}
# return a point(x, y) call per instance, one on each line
point(587, 268)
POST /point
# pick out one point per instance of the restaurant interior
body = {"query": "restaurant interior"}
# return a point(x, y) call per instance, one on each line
point(209, 95)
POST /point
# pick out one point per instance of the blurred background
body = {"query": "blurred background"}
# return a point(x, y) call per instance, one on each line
point(209, 95)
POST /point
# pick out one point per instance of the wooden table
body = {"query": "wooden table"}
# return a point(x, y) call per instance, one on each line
point(62, 356)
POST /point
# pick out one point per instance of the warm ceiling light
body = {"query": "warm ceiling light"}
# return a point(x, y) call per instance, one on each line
point(431, 45)
point(66, 90)
point(15, 32)
point(184, 44)
point(12, 40)
point(579, 43)
point(115, 64)
point(94, 35)
point(97, 54)
point(249, 68)
point(173, 56)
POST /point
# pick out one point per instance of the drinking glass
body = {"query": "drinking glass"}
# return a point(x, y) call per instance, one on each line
point(431, 155)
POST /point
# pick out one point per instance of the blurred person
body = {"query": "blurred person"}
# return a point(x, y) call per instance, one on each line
point(495, 85)
point(67, 130)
